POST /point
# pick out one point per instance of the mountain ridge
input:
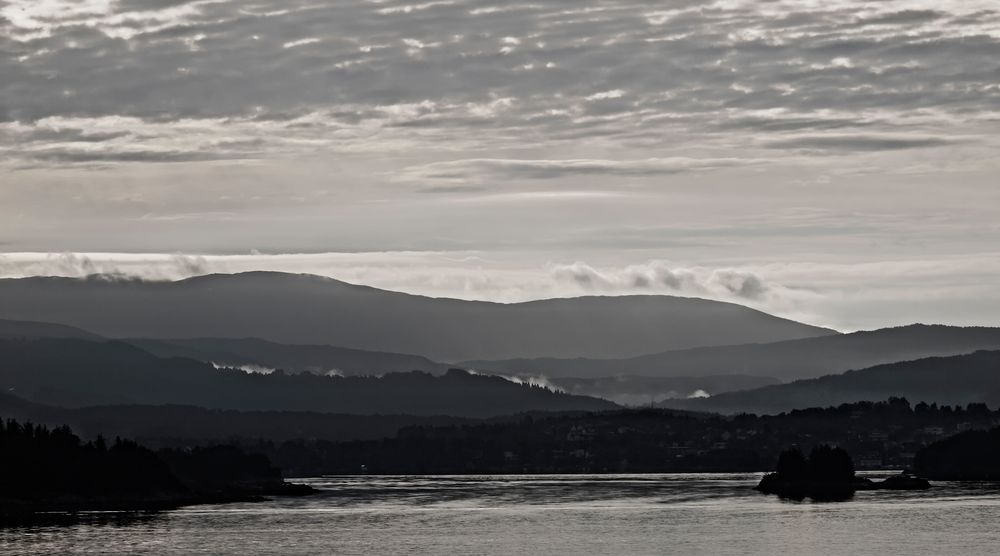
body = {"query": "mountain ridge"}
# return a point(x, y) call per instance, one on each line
point(80, 373)
point(37, 329)
point(302, 308)
point(291, 358)
point(786, 360)
point(956, 379)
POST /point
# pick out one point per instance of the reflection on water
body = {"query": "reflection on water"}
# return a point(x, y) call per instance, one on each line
point(578, 514)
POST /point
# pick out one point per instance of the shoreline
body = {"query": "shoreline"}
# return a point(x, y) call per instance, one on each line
point(15, 511)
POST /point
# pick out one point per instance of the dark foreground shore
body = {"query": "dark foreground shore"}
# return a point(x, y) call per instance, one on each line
point(51, 470)
point(20, 510)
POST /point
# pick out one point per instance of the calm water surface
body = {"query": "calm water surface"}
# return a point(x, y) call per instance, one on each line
point(714, 514)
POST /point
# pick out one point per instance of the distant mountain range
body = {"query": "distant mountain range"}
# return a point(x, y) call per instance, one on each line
point(77, 373)
point(305, 309)
point(786, 360)
point(13, 329)
point(190, 343)
point(248, 353)
point(254, 355)
point(259, 354)
point(958, 379)
point(638, 391)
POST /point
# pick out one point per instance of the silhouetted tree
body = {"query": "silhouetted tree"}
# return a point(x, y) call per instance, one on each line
point(52, 469)
point(830, 464)
point(792, 464)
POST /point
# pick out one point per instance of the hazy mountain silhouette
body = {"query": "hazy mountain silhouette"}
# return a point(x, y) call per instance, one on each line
point(262, 355)
point(958, 379)
point(291, 358)
point(290, 308)
point(31, 329)
point(787, 360)
point(644, 390)
point(187, 425)
point(76, 373)
point(252, 352)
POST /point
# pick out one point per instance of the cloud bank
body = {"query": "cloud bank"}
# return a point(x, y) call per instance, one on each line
point(843, 295)
point(204, 80)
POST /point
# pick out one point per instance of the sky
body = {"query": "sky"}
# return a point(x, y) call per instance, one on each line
point(831, 161)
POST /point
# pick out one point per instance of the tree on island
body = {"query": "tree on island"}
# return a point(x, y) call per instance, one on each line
point(792, 464)
point(826, 475)
point(830, 464)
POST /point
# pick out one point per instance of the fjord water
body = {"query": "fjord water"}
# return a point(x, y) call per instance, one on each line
point(715, 514)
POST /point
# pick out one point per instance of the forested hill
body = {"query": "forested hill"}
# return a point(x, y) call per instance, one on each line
point(291, 358)
point(305, 309)
point(19, 329)
point(76, 373)
point(786, 360)
point(959, 379)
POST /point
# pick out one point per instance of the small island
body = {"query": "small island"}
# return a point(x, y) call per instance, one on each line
point(826, 475)
point(51, 470)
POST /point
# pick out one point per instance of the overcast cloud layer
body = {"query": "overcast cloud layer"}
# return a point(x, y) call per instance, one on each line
point(835, 161)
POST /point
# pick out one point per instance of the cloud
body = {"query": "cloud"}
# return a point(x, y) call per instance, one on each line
point(412, 272)
point(70, 141)
point(622, 70)
point(845, 294)
point(476, 170)
point(783, 124)
point(858, 143)
point(189, 265)
point(609, 132)
point(904, 17)
point(537, 381)
point(660, 277)
point(67, 156)
point(250, 369)
point(109, 265)
point(41, 134)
